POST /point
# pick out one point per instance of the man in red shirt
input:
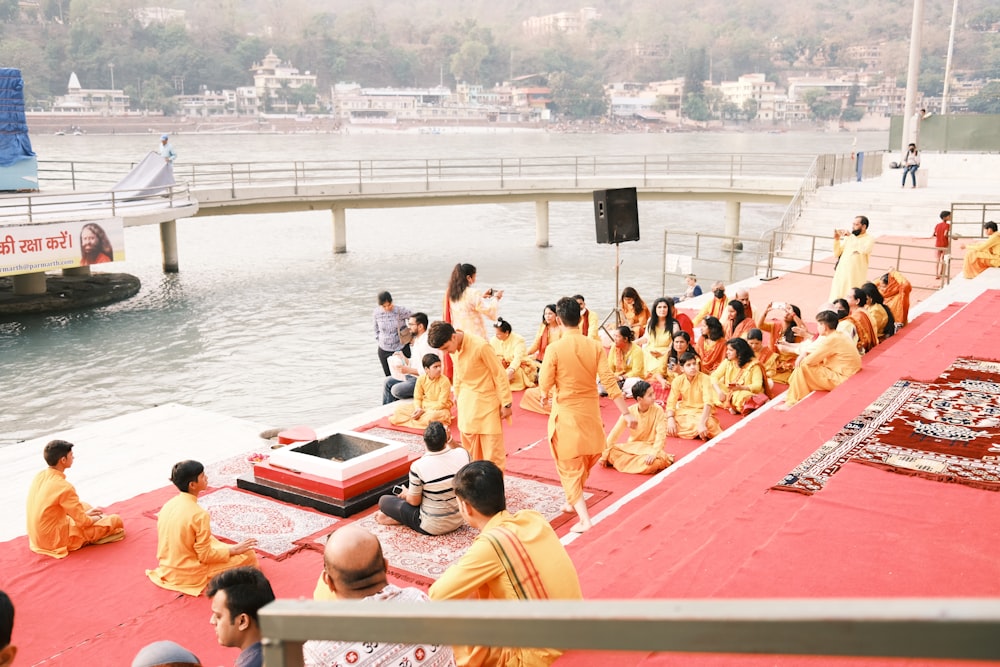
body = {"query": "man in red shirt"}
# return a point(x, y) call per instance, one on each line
point(942, 240)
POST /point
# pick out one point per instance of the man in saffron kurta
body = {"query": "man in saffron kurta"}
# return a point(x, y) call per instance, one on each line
point(576, 432)
point(515, 557)
point(853, 251)
point(57, 521)
point(716, 306)
point(829, 361)
point(482, 391)
point(981, 256)
point(189, 556)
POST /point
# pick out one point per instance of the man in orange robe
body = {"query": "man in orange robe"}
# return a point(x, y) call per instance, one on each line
point(576, 431)
point(57, 521)
point(981, 256)
point(189, 556)
point(826, 364)
point(482, 391)
point(715, 306)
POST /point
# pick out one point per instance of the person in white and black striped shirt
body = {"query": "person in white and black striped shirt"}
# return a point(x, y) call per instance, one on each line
point(428, 504)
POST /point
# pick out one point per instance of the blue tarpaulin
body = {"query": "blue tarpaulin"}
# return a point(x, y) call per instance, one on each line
point(15, 145)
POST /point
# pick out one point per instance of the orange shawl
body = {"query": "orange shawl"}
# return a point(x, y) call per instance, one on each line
point(710, 358)
point(896, 294)
point(867, 338)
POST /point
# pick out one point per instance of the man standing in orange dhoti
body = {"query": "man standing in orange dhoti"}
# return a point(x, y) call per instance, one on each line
point(189, 555)
point(576, 432)
point(482, 391)
point(57, 521)
point(852, 251)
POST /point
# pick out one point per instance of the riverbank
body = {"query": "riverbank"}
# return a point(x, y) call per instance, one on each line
point(94, 124)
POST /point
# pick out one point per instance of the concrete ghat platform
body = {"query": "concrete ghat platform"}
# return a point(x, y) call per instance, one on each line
point(64, 293)
point(123, 457)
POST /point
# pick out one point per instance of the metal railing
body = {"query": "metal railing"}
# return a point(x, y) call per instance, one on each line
point(32, 208)
point(957, 629)
point(733, 258)
point(642, 168)
point(968, 218)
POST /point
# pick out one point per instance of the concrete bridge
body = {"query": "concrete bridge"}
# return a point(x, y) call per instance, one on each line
point(81, 189)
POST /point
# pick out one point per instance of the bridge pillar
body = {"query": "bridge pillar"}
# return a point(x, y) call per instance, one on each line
point(168, 246)
point(339, 229)
point(29, 283)
point(733, 224)
point(542, 223)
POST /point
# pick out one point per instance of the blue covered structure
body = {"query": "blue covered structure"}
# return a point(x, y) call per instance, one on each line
point(18, 164)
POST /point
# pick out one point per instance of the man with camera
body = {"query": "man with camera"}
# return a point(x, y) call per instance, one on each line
point(396, 389)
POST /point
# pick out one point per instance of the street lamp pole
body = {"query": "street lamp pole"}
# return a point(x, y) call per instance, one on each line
point(111, 66)
point(947, 63)
point(912, 75)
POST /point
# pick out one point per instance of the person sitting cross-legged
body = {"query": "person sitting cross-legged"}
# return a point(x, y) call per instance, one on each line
point(188, 554)
point(431, 398)
point(643, 453)
point(58, 522)
point(427, 504)
point(690, 407)
point(826, 364)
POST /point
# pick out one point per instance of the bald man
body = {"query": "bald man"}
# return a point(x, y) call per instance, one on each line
point(354, 569)
point(715, 306)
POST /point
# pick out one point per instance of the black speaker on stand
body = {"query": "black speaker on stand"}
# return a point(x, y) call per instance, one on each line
point(616, 217)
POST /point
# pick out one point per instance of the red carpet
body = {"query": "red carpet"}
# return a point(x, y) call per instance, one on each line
point(710, 528)
point(716, 530)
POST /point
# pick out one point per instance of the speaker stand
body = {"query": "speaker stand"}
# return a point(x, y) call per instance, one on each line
point(615, 311)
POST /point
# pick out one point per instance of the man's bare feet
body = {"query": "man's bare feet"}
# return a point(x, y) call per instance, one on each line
point(782, 407)
point(385, 520)
point(580, 527)
point(566, 508)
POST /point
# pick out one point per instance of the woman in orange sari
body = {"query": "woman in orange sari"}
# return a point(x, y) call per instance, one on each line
point(867, 338)
point(736, 323)
point(787, 330)
point(895, 289)
point(634, 311)
point(711, 347)
point(548, 333)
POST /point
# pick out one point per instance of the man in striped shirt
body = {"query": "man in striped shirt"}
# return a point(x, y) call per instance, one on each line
point(428, 504)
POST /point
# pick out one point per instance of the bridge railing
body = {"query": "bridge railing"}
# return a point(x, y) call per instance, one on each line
point(957, 629)
point(33, 208)
point(90, 175)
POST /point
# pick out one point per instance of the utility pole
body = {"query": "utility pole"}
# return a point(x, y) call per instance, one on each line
point(912, 74)
point(947, 62)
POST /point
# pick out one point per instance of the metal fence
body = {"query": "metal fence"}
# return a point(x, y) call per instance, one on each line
point(33, 208)
point(968, 218)
point(642, 168)
point(957, 629)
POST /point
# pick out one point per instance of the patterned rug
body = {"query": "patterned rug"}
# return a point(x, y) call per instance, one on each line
point(237, 515)
point(421, 559)
point(947, 430)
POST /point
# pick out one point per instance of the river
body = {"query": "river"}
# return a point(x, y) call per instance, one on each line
point(265, 323)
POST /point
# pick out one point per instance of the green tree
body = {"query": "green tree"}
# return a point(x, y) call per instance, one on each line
point(987, 100)
point(696, 73)
point(466, 64)
point(852, 114)
point(696, 108)
point(750, 108)
point(577, 97)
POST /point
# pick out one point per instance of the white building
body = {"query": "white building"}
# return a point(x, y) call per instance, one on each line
point(102, 101)
point(271, 77)
point(565, 22)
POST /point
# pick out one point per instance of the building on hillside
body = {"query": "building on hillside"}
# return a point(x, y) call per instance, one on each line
point(561, 22)
point(274, 82)
point(886, 99)
point(868, 55)
point(770, 103)
point(208, 103)
point(102, 101)
point(146, 16)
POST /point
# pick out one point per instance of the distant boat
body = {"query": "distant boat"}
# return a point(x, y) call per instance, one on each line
point(77, 133)
point(60, 133)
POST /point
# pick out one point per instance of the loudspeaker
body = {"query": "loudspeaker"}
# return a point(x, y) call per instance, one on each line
point(616, 214)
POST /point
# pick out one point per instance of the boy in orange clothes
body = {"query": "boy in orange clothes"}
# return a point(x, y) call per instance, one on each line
point(431, 398)
point(690, 409)
point(57, 521)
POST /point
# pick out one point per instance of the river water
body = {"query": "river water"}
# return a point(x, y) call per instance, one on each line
point(265, 323)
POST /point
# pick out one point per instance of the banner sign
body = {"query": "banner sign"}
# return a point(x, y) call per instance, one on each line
point(60, 245)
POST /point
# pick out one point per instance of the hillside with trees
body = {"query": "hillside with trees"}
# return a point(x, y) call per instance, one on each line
point(426, 42)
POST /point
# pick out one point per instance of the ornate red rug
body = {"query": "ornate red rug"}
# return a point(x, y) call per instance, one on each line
point(279, 528)
point(946, 430)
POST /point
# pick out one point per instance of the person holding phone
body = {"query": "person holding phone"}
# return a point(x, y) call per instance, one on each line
point(427, 504)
